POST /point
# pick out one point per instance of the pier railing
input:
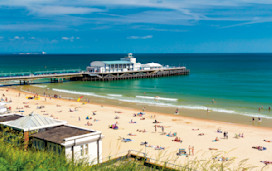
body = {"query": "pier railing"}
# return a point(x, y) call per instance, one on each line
point(39, 73)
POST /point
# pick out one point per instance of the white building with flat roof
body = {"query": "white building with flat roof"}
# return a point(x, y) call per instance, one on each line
point(55, 135)
point(128, 63)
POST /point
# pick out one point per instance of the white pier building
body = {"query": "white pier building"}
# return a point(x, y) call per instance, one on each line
point(123, 65)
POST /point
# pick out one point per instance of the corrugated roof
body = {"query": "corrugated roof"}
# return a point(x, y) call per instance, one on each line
point(34, 122)
point(117, 62)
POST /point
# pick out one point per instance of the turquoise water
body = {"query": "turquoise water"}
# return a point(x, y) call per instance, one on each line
point(238, 83)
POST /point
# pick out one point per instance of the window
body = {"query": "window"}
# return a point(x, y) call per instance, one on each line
point(82, 150)
point(86, 149)
point(59, 150)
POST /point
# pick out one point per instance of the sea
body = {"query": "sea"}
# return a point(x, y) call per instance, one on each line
point(229, 83)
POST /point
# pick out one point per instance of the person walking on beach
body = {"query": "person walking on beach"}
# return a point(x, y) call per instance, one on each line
point(155, 128)
point(189, 150)
point(193, 149)
point(162, 129)
point(177, 111)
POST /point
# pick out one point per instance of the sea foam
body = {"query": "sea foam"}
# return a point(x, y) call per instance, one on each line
point(157, 98)
point(152, 102)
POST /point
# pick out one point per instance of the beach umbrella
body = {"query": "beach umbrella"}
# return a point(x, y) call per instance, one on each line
point(79, 98)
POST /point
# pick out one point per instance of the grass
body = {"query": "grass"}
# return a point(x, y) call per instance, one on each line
point(14, 157)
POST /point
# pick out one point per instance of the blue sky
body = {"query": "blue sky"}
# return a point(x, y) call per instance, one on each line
point(138, 26)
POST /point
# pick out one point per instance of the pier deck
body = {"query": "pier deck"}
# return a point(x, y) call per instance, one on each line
point(92, 76)
point(109, 76)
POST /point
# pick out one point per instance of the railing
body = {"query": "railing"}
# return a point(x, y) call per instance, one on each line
point(141, 156)
point(39, 73)
point(5, 75)
point(128, 71)
point(57, 72)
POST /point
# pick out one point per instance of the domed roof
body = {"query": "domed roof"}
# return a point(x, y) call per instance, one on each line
point(154, 64)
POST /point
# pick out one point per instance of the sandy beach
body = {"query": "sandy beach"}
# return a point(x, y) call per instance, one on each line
point(197, 133)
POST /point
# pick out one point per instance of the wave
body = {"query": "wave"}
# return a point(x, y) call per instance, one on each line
point(115, 95)
point(152, 102)
point(41, 86)
point(193, 107)
point(157, 98)
point(76, 92)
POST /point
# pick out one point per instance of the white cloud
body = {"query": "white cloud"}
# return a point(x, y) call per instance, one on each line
point(168, 12)
point(62, 10)
point(65, 38)
point(17, 38)
point(140, 37)
point(70, 38)
point(30, 26)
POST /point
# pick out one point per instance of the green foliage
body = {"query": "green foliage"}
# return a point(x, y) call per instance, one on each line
point(13, 157)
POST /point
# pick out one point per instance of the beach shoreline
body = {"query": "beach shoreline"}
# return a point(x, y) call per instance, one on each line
point(186, 128)
point(188, 113)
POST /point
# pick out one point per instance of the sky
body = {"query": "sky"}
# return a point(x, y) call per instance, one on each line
point(137, 26)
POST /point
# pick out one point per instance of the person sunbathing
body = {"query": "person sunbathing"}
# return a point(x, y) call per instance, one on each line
point(156, 121)
point(195, 129)
point(216, 139)
point(201, 134)
point(131, 121)
point(142, 118)
point(266, 162)
point(176, 139)
point(130, 134)
point(89, 124)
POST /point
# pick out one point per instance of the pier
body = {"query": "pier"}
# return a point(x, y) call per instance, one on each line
point(55, 76)
point(110, 76)
point(79, 75)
